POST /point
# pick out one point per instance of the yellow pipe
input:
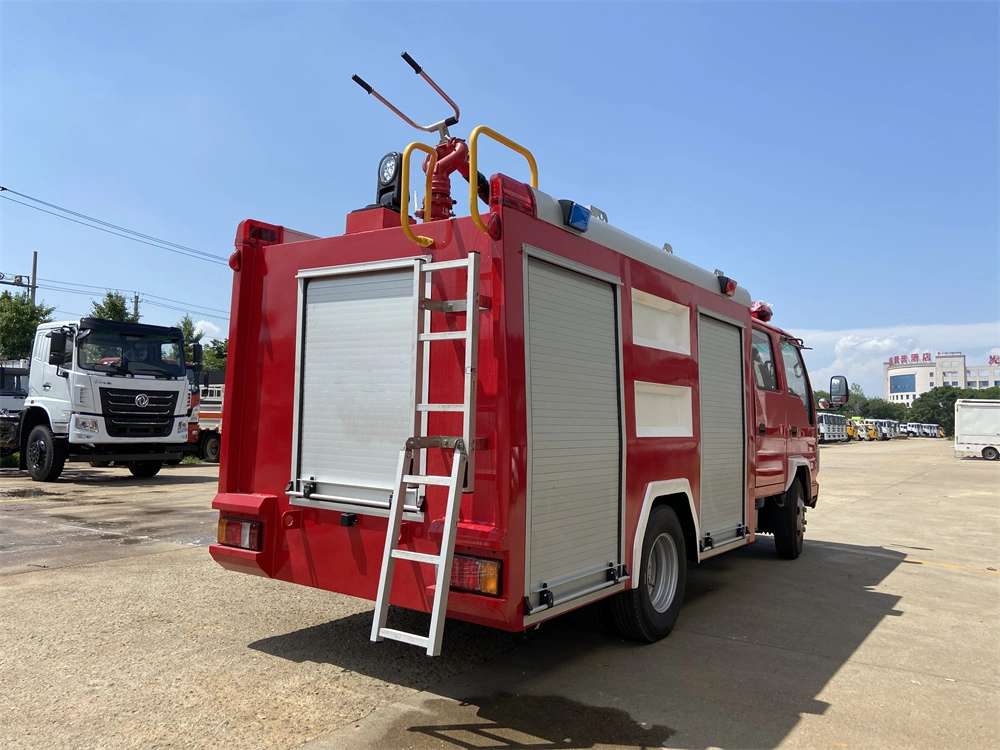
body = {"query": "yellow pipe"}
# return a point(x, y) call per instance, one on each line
point(404, 203)
point(474, 168)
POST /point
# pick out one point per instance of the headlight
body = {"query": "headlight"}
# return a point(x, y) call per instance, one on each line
point(86, 424)
point(182, 426)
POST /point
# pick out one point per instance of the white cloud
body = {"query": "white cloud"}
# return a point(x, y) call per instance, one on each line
point(208, 328)
point(860, 353)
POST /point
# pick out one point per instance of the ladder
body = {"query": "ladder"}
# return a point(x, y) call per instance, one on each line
point(409, 472)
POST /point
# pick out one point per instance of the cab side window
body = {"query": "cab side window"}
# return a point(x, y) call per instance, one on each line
point(795, 374)
point(763, 361)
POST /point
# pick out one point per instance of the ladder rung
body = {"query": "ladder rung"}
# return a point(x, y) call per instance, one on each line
point(398, 635)
point(433, 441)
point(427, 479)
point(440, 407)
point(444, 305)
point(442, 336)
point(442, 265)
point(420, 557)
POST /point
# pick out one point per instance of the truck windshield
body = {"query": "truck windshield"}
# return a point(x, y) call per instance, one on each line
point(123, 354)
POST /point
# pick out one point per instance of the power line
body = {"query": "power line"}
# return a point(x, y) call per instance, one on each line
point(129, 234)
point(186, 307)
point(144, 294)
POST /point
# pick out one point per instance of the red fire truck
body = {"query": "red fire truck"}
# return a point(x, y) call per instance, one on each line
point(501, 417)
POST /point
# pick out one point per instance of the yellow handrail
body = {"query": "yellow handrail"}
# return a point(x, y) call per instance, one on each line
point(474, 171)
point(404, 202)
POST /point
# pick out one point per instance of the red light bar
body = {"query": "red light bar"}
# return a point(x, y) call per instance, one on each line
point(506, 191)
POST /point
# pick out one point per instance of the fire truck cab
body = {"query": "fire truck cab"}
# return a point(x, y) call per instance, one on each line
point(501, 417)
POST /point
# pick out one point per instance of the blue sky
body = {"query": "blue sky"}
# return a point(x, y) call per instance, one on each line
point(840, 160)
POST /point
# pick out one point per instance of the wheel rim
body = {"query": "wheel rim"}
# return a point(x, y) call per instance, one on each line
point(36, 453)
point(800, 520)
point(662, 569)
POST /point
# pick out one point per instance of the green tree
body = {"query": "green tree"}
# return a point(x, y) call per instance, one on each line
point(114, 306)
point(856, 401)
point(879, 408)
point(937, 406)
point(191, 336)
point(19, 317)
point(216, 353)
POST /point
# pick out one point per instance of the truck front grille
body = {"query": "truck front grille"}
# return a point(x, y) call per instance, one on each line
point(124, 417)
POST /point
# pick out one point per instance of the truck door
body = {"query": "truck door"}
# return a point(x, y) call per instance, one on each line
point(769, 417)
point(800, 414)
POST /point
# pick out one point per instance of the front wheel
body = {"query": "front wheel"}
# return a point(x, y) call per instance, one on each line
point(790, 523)
point(145, 469)
point(990, 453)
point(648, 611)
point(46, 455)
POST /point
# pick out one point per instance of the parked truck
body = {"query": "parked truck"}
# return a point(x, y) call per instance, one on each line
point(13, 391)
point(833, 427)
point(505, 416)
point(210, 418)
point(977, 427)
point(102, 391)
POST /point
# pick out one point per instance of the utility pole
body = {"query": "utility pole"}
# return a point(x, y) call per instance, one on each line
point(34, 274)
point(135, 307)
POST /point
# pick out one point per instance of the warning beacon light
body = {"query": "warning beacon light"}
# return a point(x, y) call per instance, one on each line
point(761, 311)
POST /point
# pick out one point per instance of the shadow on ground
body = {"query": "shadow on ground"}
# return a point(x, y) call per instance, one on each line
point(757, 641)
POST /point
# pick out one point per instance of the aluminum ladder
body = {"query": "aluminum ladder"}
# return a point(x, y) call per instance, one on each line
point(408, 472)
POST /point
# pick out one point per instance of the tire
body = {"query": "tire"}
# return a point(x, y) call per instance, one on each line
point(990, 453)
point(99, 464)
point(45, 455)
point(790, 523)
point(211, 446)
point(649, 611)
point(145, 469)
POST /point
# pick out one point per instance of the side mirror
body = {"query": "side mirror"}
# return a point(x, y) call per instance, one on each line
point(824, 404)
point(198, 351)
point(57, 347)
point(839, 392)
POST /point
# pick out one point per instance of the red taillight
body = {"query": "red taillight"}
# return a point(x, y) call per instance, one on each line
point(475, 574)
point(505, 191)
point(234, 532)
point(236, 259)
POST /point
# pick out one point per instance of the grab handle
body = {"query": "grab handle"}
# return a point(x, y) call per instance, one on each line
point(473, 167)
point(404, 199)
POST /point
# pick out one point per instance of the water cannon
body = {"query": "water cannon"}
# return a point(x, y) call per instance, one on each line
point(451, 155)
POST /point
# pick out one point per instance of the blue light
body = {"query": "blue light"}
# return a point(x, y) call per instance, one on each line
point(579, 217)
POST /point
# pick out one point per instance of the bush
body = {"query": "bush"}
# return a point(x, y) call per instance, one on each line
point(8, 462)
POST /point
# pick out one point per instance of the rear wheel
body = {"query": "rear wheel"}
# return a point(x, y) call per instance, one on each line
point(46, 455)
point(990, 453)
point(210, 448)
point(649, 610)
point(145, 469)
point(790, 523)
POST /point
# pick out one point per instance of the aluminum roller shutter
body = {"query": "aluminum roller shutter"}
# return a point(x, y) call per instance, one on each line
point(356, 381)
point(723, 443)
point(574, 436)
